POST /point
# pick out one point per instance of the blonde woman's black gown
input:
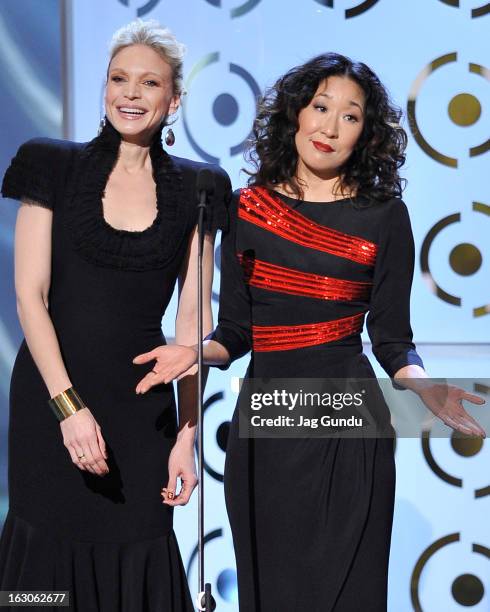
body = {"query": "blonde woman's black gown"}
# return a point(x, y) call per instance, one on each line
point(108, 540)
point(311, 518)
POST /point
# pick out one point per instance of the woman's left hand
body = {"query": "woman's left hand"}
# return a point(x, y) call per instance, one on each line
point(446, 402)
point(181, 464)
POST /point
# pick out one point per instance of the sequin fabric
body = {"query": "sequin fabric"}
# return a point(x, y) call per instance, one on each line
point(265, 275)
point(262, 208)
point(288, 337)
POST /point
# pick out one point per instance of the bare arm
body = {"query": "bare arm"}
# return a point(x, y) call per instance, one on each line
point(186, 328)
point(81, 433)
point(32, 283)
point(181, 461)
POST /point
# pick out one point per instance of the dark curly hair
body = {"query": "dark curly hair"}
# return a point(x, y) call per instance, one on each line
point(371, 170)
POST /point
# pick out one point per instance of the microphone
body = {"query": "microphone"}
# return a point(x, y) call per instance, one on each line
point(205, 185)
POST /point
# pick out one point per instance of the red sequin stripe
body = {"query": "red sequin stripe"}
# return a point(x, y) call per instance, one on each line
point(260, 207)
point(287, 337)
point(269, 276)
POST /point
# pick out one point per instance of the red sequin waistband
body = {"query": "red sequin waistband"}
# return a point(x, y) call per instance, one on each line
point(265, 275)
point(287, 337)
point(259, 206)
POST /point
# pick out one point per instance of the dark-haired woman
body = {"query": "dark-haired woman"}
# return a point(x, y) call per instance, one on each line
point(319, 238)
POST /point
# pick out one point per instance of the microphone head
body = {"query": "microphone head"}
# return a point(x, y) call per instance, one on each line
point(205, 181)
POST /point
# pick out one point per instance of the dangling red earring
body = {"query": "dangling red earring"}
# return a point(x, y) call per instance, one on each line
point(170, 137)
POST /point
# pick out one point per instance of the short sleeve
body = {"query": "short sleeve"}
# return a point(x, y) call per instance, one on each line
point(217, 210)
point(388, 321)
point(32, 173)
point(234, 330)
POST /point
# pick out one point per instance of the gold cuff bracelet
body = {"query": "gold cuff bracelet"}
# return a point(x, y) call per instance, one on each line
point(66, 403)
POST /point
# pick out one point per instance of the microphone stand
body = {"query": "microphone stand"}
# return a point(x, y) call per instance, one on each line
point(205, 600)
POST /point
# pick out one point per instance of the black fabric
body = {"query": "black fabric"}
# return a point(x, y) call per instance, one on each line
point(37, 171)
point(234, 317)
point(124, 576)
point(109, 540)
point(388, 321)
point(45, 169)
point(311, 518)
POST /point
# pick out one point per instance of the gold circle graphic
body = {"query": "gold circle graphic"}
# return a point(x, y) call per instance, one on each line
point(464, 109)
point(468, 590)
point(465, 259)
point(466, 446)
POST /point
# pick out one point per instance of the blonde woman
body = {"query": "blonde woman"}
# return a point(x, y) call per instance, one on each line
point(104, 232)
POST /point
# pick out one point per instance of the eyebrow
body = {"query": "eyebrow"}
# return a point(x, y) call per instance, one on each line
point(351, 102)
point(116, 69)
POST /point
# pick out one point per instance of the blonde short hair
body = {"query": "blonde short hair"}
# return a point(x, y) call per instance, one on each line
point(157, 37)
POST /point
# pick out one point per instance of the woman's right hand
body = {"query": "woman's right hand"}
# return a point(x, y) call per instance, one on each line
point(82, 436)
point(171, 362)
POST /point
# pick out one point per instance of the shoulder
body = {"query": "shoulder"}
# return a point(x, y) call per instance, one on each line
point(192, 168)
point(37, 169)
point(241, 193)
point(235, 200)
point(385, 213)
point(217, 214)
point(397, 211)
point(393, 206)
point(47, 156)
point(41, 151)
point(394, 222)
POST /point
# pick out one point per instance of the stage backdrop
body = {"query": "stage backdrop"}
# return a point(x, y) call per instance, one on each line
point(433, 56)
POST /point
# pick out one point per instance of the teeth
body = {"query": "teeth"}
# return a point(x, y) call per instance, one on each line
point(133, 111)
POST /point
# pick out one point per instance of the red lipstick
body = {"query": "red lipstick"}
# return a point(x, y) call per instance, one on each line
point(322, 146)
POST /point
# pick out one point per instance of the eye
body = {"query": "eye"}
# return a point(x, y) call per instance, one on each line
point(351, 118)
point(116, 79)
point(321, 108)
point(151, 83)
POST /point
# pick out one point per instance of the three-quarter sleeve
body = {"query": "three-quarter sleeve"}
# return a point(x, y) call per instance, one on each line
point(234, 330)
point(388, 321)
point(31, 176)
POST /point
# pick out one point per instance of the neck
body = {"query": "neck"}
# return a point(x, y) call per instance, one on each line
point(134, 154)
point(319, 188)
point(134, 157)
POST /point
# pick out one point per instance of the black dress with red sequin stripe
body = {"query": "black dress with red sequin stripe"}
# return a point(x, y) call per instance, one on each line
point(311, 517)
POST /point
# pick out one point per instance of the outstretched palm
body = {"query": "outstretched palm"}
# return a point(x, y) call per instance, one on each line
point(171, 362)
point(446, 402)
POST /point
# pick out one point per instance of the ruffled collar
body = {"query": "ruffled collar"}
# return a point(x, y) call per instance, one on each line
point(99, 242)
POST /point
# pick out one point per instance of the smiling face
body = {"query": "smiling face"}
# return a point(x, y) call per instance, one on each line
point(139, 92)
point(329, 127)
